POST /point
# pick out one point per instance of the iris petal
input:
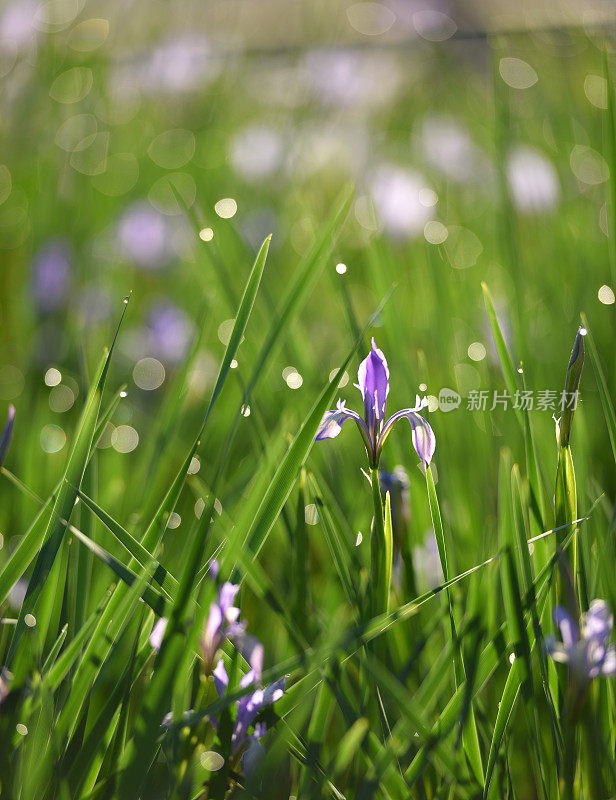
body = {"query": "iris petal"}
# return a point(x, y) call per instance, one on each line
point(332, 422)
point(568, 627)
point(373, 383)
point(422, 434)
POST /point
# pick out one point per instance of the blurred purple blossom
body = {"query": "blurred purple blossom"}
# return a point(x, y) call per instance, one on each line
point(350, 78)
point(169, 332)
point(51, 274)
point(146, 236)
point(17, 23)
point(427, 562)
point(585, 647)
point(448, 147)
point(182, 63)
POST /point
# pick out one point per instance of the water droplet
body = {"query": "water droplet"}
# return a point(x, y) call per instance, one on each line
point(311, 514)
point(341, 268)
point(53, 377)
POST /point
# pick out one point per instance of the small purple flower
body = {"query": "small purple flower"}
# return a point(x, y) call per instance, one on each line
point(51, 274)
point(249, 705)
point(373, 383)
point(6, 435)
point(585, 647)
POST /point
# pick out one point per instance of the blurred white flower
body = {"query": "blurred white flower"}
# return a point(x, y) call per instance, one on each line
point(533, 180)
point(398, 195)
point(17, 23)
point(182, 63)
point(350, 78)
point(342, 148)
point(256, 152)
point(448, 147)
point(427, 562)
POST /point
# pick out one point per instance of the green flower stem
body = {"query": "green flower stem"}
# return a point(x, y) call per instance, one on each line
point(381, 547)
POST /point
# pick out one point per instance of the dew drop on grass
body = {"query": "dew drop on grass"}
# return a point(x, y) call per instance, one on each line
point(52, 439)
point(149, 374)
point(174, 521)
point(476, 351)
point(21, 729)
point(124, 439)
point(211, 761)
point(343, 380)
point(53, 377)
point(226, 208)
point(311, 514)
point(606, 295)
point(195, 466)
point(30, 620)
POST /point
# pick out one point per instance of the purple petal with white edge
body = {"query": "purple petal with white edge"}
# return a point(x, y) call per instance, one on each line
point(226, 596)
point(221, 679)
point(598, 621)
point(373, 383)
point(422, 434)
point(273, 692)
point(6, 435)
point(332, 422)
point(569, 631)
point(556, 650)
point(213, 635)
point(608, 667)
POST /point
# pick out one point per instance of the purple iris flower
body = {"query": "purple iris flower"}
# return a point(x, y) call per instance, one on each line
point(585, 647)
point(373, 383)
point(249, 705)
point(6, 435)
